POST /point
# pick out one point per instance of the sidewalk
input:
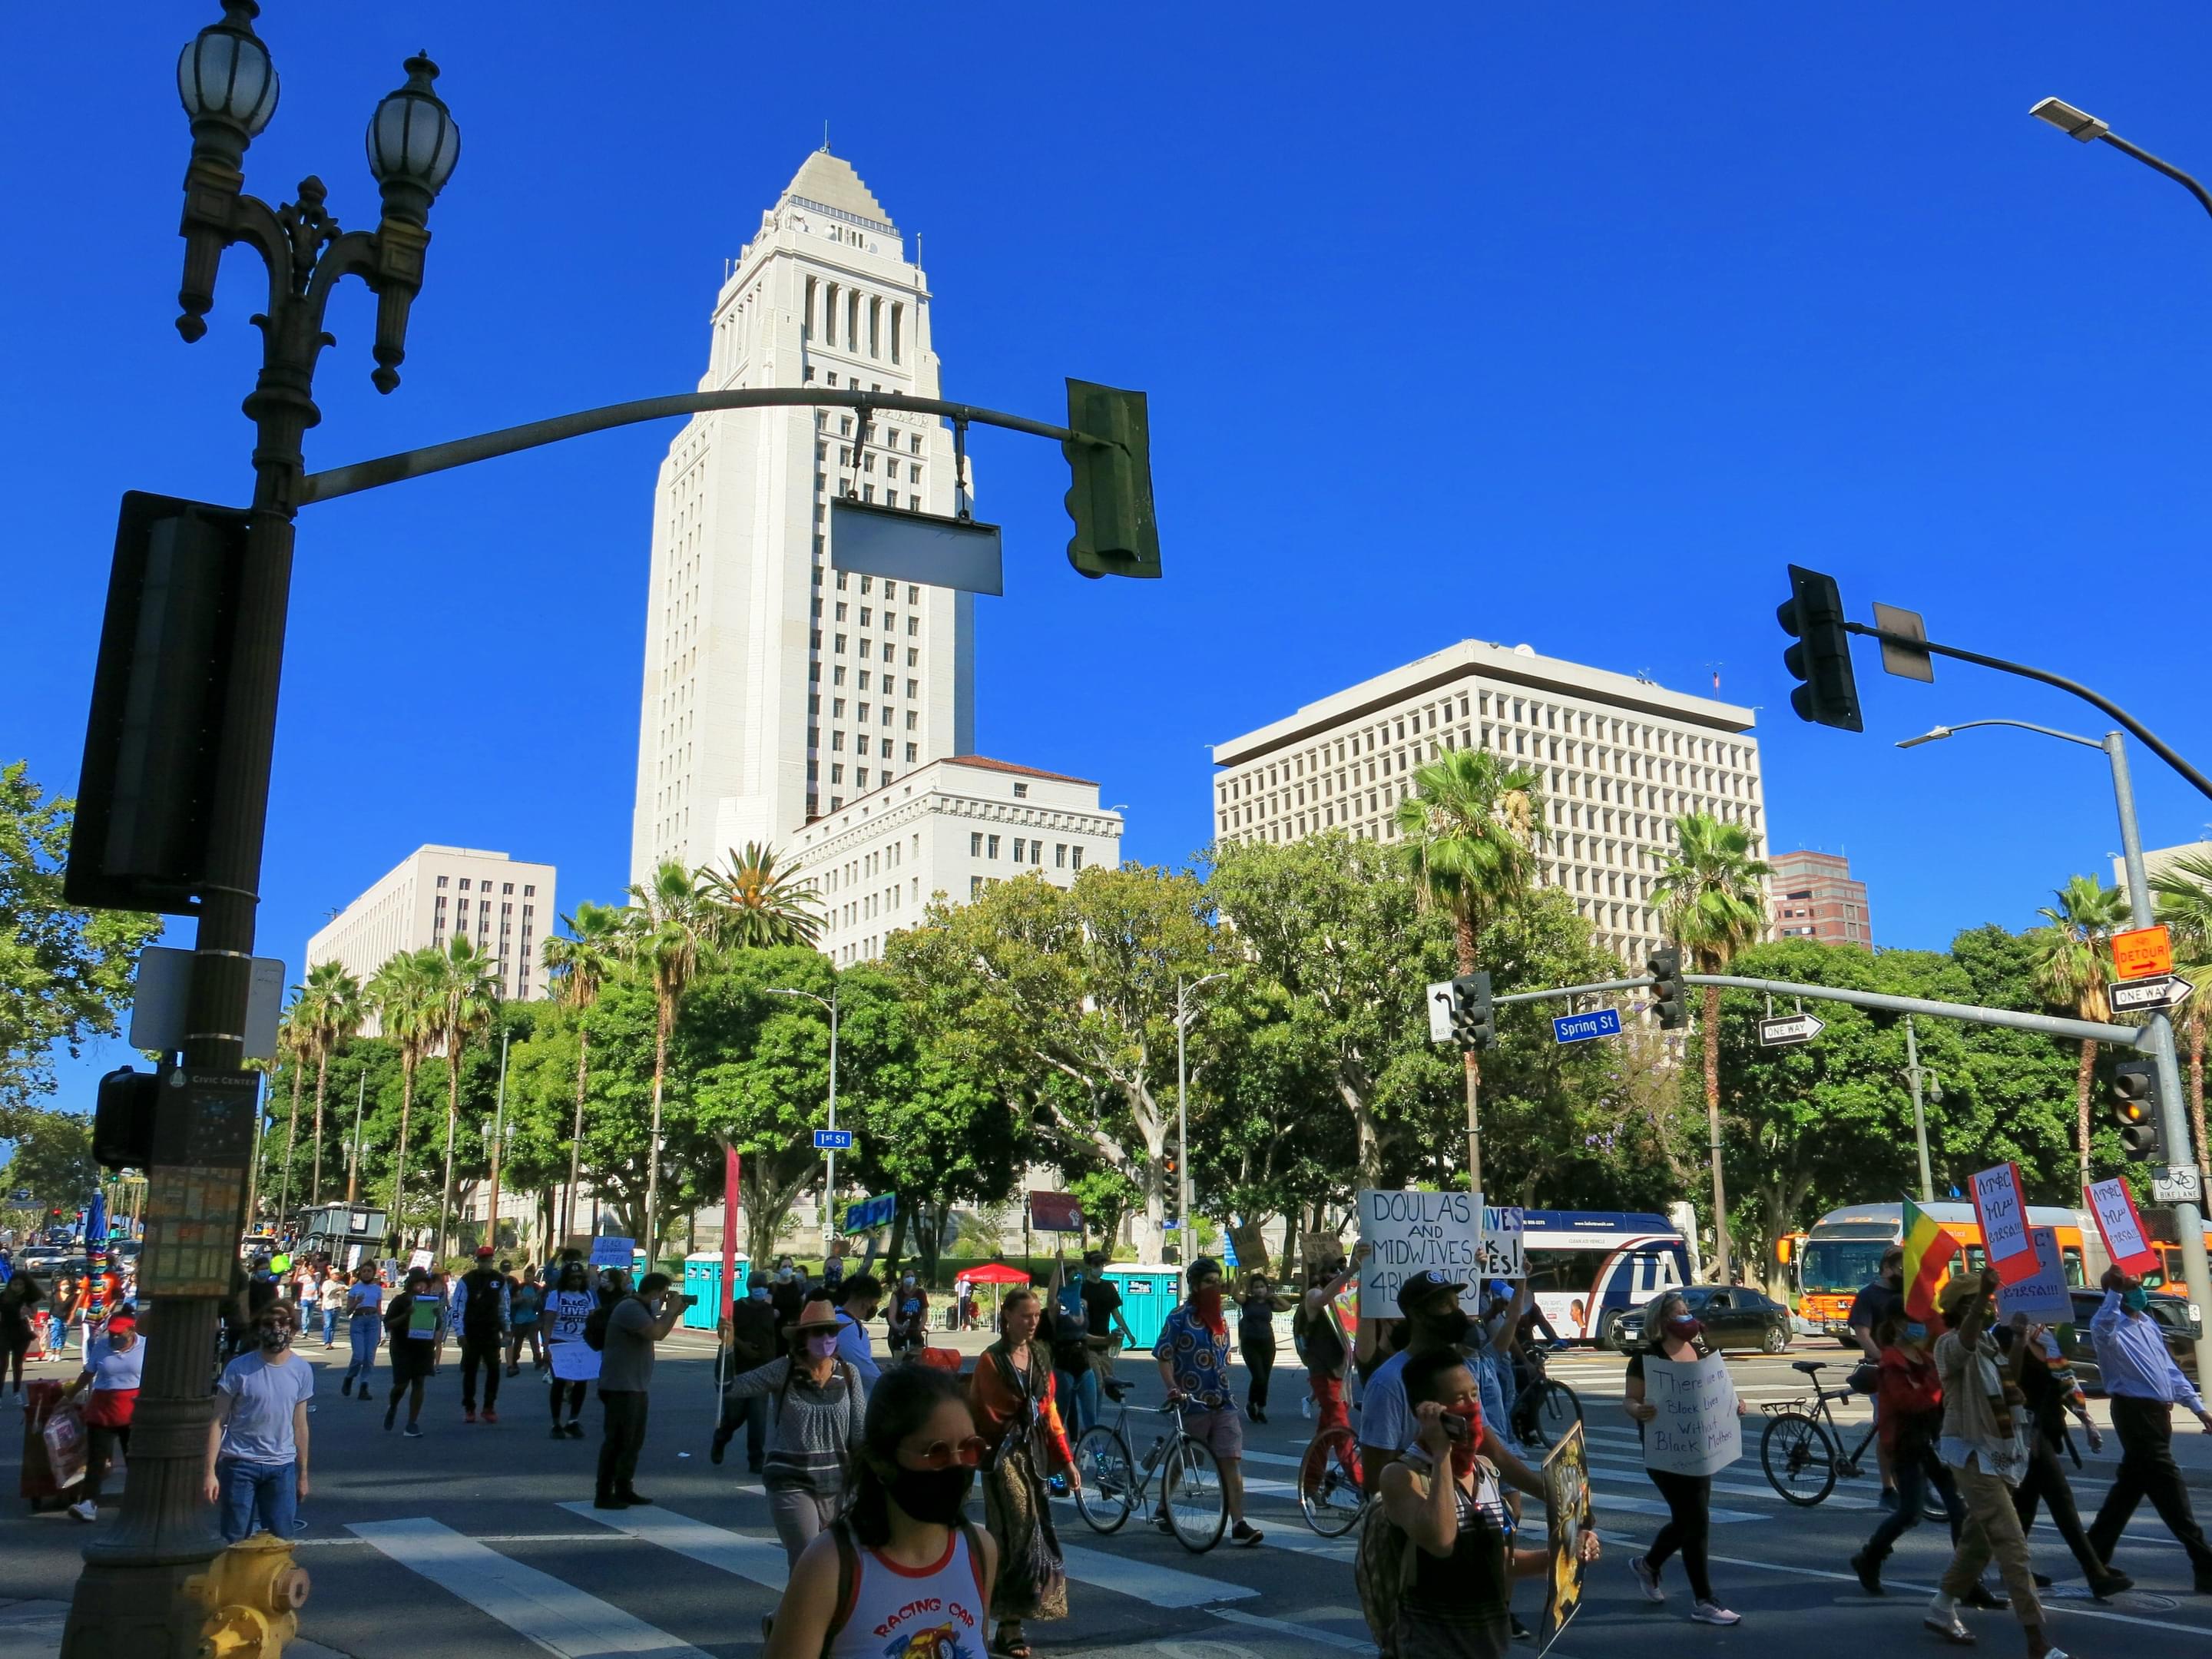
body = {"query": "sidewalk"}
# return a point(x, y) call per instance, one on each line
point(32, 1630)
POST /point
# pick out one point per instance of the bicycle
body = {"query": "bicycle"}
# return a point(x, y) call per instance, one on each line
point(1114, 1482)
point(1544, 1408)
point(1330, 1495)
point(1799, 1448)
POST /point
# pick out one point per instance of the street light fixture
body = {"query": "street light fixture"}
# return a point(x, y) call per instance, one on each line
point(2080, 125)
point(130, 1595)
point(828, 1154)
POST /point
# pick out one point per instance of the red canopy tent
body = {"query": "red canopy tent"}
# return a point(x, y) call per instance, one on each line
point(994, 1273)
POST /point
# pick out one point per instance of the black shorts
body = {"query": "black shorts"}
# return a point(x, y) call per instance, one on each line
point(412, 1359)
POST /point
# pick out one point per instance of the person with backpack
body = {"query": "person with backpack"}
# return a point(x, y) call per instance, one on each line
point(524, 1298)
point(567, 1309)
point(1069, 1329)
point(864, 1294)
point(414, 1330)
point(751, 1334)
point(1328, 1356)
point(485, 1314)
point(626, 1333)
point(902, 1570)
point(820, 1408)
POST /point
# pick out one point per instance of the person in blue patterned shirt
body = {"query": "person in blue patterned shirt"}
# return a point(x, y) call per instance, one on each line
point(1194, 1355)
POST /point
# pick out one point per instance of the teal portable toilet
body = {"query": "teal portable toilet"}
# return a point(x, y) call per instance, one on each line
point(702, 1281)
point(1148, 1293)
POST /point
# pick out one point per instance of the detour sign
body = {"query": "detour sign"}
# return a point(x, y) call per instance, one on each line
point(2142, 953)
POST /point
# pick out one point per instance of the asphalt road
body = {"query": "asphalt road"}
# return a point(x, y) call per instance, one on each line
point(480, 1541)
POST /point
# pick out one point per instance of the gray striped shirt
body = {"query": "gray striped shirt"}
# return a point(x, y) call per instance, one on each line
point(816, 1432)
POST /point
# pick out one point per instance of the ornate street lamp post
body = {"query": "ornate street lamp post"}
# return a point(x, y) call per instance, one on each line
point(129, 1598)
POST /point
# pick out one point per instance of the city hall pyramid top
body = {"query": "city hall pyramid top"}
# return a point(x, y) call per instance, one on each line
point(829, 181)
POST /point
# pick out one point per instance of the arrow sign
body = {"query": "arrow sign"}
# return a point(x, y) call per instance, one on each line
point(2147, 995)
point(1440, 1011)
point(1581, 1028)
point(1790, 1028)
point(833, 1140)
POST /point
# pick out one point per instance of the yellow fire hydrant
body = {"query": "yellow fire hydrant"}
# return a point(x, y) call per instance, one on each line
point(253, 1593)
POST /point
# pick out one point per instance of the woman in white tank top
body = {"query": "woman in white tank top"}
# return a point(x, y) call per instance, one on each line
point(903, 1573)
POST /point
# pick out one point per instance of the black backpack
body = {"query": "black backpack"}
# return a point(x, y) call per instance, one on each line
point(595, 1326)
point(753, 1332)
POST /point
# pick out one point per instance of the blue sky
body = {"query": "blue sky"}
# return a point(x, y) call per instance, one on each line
point(1569, 325)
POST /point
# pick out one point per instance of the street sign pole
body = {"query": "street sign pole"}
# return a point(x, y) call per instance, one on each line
point(2188, 1215)
point(829, 1154)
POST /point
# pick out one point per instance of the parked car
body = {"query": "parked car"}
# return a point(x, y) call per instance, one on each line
point(2172, 1313)
point(1733, 1316)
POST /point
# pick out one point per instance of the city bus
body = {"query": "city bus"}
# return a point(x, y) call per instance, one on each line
point(1590, 1267)
point(1842, 1254)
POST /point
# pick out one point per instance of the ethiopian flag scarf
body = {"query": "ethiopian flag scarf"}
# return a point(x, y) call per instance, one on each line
point(1928, 1253)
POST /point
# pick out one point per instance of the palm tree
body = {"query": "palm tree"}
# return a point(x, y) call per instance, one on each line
point(400, 992)
point(1712, 895)
point(581, 962)
point(672, 923)
point(2071, 970)
point(463, 997)
point(291, 1049)
point(1472, 829)
point(2184, 892)
point(330, 1011)
point(763, 903)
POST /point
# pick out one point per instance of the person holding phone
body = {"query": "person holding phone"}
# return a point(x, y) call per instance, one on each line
point(634, 1324)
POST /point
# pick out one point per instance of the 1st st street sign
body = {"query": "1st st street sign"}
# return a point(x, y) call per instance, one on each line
point(2143, 996)
point(1790, 1028)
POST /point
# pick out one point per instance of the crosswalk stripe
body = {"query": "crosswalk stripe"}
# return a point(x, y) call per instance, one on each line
point(759, 1559)
point(557, 1616)
point(1843, 1500)
point(1163, 1587)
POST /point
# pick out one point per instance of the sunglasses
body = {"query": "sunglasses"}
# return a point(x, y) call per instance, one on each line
point(944, 1454)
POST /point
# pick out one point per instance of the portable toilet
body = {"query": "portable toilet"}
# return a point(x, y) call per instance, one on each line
point(1148, 1293)
point(702, 1281)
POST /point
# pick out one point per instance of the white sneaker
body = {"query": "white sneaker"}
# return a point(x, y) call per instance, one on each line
point(1647, 1580)
point(1943, 1618)
point(83, 1510)
point(1712, 1612)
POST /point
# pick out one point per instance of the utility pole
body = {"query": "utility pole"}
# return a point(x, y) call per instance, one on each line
point(498, 1138)
point(1915, 1073)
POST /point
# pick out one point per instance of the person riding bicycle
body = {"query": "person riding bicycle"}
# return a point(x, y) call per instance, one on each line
point(1328, 1356)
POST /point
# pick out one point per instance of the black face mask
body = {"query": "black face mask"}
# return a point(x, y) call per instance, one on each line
point(1449, 1325)
point(934, 1497)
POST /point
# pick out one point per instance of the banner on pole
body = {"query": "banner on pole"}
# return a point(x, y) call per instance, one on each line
point(870, 1213)
point(2001, 1207)
point(1696, 1432)
point(2126, 1241)
point(1410, 1233)
point(1501, 1255)
point(1055, 1213)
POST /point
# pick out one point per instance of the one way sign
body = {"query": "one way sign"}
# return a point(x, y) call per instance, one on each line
point(1790, 1028)
point(2143, 996)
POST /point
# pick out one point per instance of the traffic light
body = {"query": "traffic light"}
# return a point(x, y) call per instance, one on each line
point(1474, 1023)
point(1110, 493)
point(2134, 1109)
point(123, 1119)
point(146, 791)
point(1821, 659)
point(1668, 999)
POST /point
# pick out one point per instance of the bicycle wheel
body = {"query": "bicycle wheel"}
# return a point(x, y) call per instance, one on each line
point(1798, 1456)
point(1109, 1485)
point(1551, 1409)
point(1197, 1507)
point(1329, 1482)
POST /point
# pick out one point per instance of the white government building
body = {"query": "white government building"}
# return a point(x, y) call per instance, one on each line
point(1621, 758)
point(776, 689)
point(439, 893)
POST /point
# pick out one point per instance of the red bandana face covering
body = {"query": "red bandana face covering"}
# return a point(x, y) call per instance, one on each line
point(1206, 1304)
point(1463, 1452)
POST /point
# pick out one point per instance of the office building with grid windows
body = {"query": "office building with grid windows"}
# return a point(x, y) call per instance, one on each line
point(948, 828)
point(776, 689)
point(1811, 895)
point(1620, 758)
point(437, 894)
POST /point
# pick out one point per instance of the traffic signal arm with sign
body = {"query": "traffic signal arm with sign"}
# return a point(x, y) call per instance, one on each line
point(1820, 661)
point(1109, 496)
point(2136, 1110)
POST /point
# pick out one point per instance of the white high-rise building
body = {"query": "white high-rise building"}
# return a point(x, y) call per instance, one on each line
point(777, 689)
point(1620, 758)
point(439, 893)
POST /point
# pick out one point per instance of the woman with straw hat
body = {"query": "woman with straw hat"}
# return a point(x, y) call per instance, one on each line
point(820, 1407)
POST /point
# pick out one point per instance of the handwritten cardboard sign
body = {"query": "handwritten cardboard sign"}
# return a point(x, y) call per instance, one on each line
point(1567, 1510)
point(1412, 1232)
point(1501, 1242)
point(2001, 1207)
point(611, 1252)
point(2042, 1295)
point(1696, 1432)
point(2126, 1241)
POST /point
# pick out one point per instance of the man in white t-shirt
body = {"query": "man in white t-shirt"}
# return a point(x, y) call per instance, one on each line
point(1429, 1302)
point(257, 1447)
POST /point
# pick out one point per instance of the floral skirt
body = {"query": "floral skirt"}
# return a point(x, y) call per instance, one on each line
point(1032, 1578)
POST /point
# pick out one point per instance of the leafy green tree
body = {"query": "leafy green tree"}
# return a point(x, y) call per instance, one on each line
point(1710, 890)
point(1472, 829)
point(2184, 892)
point(403, 992)
point(580, 963)
point(463, 992)
point(2021, 1080)
point(676, 923)
point(762, 902)
point(329, 1012)
point(51, 1158)
point(2073, 972)
point(66, 973)
point(292, 1040)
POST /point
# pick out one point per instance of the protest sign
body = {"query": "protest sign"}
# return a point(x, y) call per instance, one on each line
point(1055, 1213)
point(1410, 1233)
point(614, 1253)
point(419, 1258)
point(1567, 1509)
point(870, 1213)
point(2041, 1295)
point(1501, 1255)
point(2001, 1207)
point(1696, 1432)
point(2125, 1242)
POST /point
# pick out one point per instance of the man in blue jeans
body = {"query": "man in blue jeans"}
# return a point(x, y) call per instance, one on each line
point(257, 1448)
